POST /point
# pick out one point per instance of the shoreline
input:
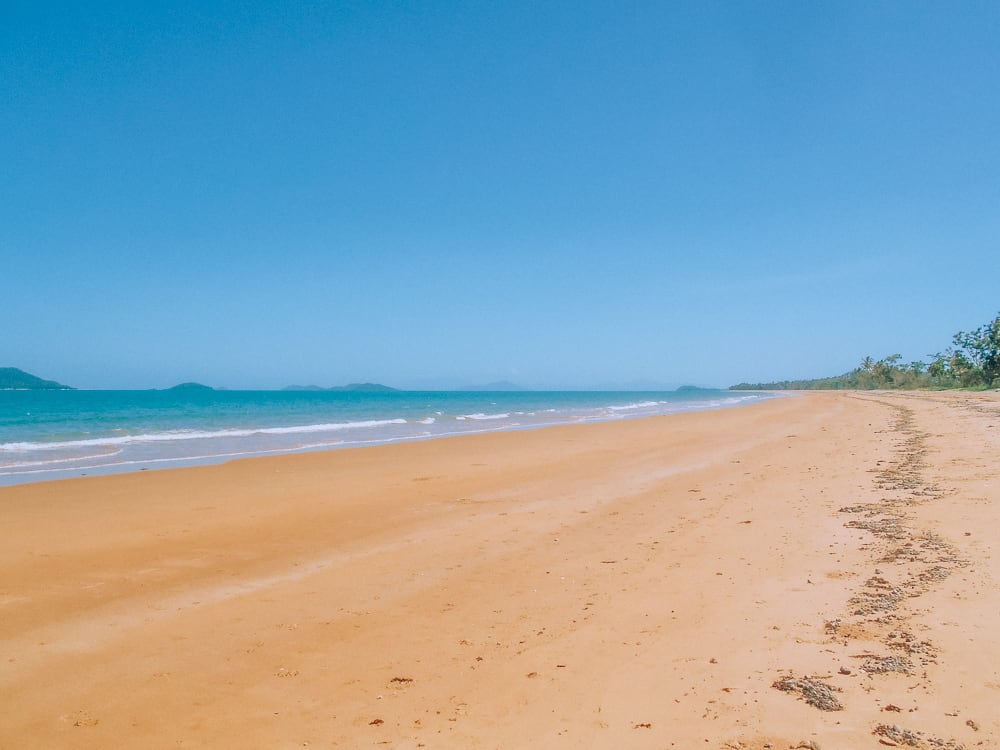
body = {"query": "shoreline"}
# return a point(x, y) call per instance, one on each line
point(168, 440)
point(633, 583)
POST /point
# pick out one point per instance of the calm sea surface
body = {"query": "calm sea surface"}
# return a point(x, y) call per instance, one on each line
point(55, 434)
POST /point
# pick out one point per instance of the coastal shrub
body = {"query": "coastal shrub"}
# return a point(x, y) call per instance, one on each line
point(972, 361)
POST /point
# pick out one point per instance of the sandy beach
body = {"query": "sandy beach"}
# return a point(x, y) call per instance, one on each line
point(814, 569)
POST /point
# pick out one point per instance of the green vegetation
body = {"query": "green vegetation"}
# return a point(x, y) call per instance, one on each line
point(12, 378)
point(972, 361)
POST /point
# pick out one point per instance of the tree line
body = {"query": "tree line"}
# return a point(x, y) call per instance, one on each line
point(972, 361)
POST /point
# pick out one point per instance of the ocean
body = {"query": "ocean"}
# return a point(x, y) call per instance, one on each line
point(48, 435)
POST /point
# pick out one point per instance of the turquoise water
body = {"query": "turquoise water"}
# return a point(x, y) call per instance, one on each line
point(54, 434)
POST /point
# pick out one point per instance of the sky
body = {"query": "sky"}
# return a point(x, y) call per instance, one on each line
point(430, 195)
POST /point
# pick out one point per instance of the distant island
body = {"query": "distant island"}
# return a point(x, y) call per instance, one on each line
point(190, 387)
point(11, 378)
point(353, 387)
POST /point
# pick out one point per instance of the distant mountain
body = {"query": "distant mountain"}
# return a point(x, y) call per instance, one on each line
point(354, 387)
point(500, 385)
point(364, 387)
point(191, 387)
point(12, 378)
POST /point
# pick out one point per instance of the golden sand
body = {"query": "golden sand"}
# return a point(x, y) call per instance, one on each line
point(696, 580)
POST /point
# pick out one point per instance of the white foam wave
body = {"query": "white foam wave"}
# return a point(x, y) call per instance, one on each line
point(483, 417)
point(637, 405)
point(50, 462)
point(173, 435)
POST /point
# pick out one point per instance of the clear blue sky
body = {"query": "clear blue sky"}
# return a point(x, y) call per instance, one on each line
point(253, 194)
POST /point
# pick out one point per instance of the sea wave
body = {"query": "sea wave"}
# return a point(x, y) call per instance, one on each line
point(637, 405)
point(174, 435)
point(218, 435)
point(52, 461)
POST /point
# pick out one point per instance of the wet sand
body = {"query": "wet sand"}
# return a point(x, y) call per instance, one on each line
point(817, 569)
